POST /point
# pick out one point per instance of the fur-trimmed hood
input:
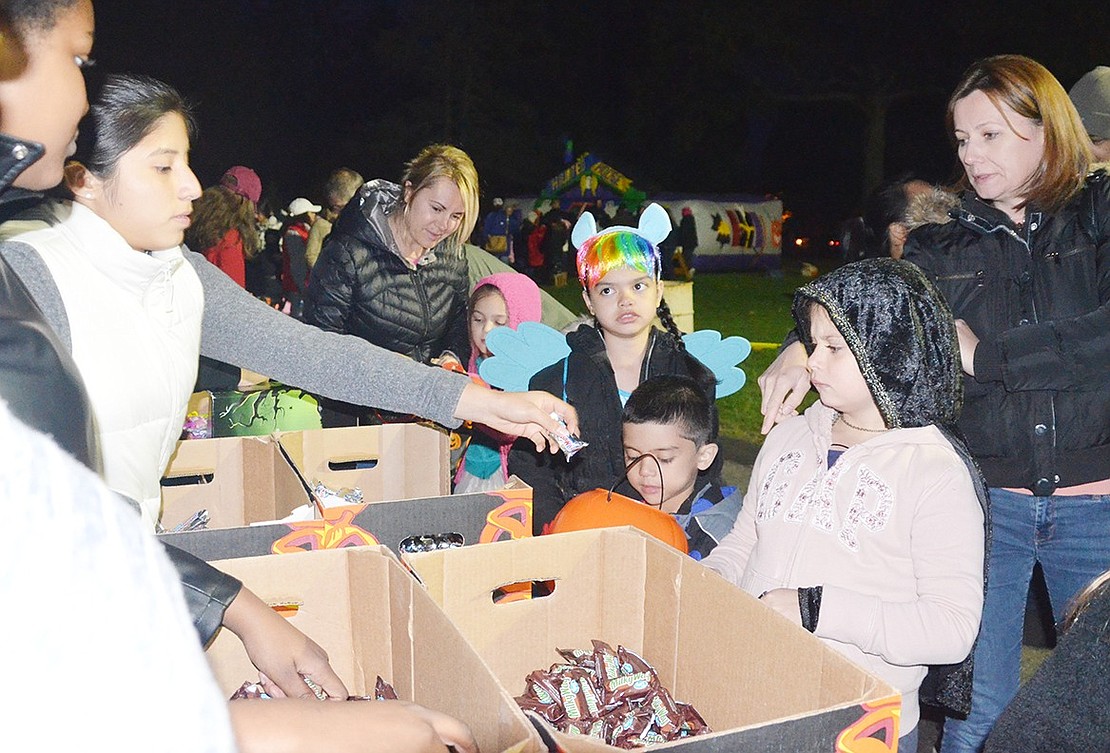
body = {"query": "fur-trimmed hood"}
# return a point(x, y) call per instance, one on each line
point(935, 207)
point(931, 208)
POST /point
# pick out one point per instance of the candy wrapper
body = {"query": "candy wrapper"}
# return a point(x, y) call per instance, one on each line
point(568, 443)
point(612, 695)
point(329, 497)
point(430, 542)
point(383, 691)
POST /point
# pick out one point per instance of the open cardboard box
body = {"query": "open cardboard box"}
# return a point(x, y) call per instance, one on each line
point(239, 480)
point(482, 517)
point(373, 619)
point(387, 462)
point(762, 683)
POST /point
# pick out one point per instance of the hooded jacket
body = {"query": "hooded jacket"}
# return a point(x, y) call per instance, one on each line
point(522, 300)
point(892, 536)
point(893, 533)
point(362, 286)
point(585, 379)
point(1037, 411)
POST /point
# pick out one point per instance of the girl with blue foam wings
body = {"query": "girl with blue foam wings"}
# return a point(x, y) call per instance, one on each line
point(595, 368)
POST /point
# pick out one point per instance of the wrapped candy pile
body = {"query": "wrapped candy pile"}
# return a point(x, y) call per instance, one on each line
point(614, 696)
point(383, 691)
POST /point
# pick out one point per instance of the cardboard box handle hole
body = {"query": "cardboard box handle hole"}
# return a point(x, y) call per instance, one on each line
point(522, 591)
point(189, 479)
point(352, 465)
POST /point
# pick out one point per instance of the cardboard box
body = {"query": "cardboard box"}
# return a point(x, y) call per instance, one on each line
point(239, 480)
point(760, 682)
point(373, 619)
point(387, 462)
point(480, 518)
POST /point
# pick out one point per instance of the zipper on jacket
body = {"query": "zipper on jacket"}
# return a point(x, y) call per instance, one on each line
point(979, 277)
point(424, 304)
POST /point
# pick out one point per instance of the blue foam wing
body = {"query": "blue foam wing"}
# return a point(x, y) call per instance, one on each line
point(517, 355)
point(720, 356)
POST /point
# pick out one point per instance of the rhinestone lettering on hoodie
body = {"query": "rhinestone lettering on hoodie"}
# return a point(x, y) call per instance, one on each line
point(774, 485)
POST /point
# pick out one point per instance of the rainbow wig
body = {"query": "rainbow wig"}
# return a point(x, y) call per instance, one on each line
point(620, 246)
point(608, 251)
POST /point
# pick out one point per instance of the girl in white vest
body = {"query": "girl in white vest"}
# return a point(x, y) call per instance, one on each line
point(138, 308)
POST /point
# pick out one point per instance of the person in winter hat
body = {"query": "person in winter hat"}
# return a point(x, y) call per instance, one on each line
point(1091, 97)
point(505, 299)
point(864, 521)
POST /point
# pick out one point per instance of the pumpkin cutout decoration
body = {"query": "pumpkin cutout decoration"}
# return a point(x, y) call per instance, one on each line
point(601, 508)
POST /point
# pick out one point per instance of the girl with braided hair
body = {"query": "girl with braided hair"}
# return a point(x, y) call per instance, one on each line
point(619, 269)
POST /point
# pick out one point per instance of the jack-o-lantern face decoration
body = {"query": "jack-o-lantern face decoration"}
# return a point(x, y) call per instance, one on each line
point(603, 509)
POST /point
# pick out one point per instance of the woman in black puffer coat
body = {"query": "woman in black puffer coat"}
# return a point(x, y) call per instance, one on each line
point(393, 270)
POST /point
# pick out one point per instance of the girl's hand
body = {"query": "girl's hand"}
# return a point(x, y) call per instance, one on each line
point(345, 727)
point(785, 602)
point(969, 341)
point(519, 414)
point(450, 362)
point(282, 653)
point(783, 386)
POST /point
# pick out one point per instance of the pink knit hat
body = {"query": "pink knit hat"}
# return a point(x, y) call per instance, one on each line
point(243, 181)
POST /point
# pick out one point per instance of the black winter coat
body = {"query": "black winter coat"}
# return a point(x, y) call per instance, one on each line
point(591, 387)
point(1037, 412)
point(361, 286)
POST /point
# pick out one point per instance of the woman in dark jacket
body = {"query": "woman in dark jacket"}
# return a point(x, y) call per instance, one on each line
point(393, 270)
point(1023, 258)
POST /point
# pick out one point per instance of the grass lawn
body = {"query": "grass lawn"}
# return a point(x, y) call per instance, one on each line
point(754, 305)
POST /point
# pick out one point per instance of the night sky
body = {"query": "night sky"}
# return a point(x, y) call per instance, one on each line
point(693, 97)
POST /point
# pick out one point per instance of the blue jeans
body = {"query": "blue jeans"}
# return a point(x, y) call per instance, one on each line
point(1070, 537)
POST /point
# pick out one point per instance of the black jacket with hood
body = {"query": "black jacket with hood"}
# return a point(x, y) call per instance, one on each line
point(585, 379)
point(41, 384)
point(1037, 412)
point(361, 286)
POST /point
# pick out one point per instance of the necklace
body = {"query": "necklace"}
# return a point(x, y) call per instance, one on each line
point(840, 417)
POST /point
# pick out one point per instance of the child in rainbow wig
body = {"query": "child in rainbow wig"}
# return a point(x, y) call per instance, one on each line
point(619, 268)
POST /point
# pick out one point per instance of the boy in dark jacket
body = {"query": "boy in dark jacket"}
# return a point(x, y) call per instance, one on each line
point(669, 432)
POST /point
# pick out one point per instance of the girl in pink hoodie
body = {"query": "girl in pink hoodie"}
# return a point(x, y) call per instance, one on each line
point(504, 299)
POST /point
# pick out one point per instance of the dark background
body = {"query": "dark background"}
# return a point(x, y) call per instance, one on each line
point(810, 101)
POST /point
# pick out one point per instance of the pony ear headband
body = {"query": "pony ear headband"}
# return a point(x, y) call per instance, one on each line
point(654, 226)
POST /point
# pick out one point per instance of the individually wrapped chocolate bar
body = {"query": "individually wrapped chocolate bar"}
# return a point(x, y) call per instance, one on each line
point(577, 656)
point(578, 694)
point(552, 712)
point(383, 691)
point(249, 690)
point(692, 724)
point(568, 443)
point(613, 695)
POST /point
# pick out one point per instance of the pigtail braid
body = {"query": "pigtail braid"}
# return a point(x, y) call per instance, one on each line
point(666, 318)
point(699, 372)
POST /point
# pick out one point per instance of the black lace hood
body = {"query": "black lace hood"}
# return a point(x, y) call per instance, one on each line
point(901, 332)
